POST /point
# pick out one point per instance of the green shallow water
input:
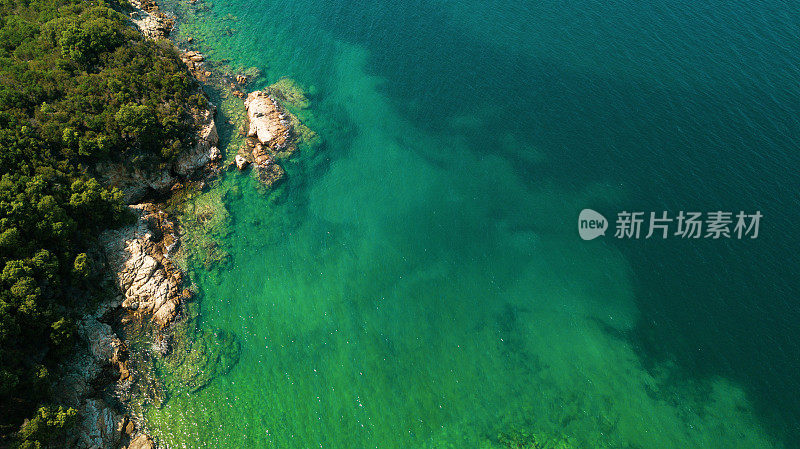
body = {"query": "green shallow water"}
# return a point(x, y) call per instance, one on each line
point(417, 281)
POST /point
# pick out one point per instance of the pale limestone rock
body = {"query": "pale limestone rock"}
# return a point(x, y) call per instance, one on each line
point(215, 154)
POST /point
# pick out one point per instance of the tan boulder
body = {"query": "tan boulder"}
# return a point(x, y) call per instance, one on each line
point(139, 256)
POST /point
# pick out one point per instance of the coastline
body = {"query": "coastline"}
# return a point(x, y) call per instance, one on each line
point(105, 378)
point(150, 323)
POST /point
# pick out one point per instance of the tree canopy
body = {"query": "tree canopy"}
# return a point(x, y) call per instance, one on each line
point(78, 86)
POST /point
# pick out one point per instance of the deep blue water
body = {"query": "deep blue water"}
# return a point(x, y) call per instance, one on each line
point(689, 105)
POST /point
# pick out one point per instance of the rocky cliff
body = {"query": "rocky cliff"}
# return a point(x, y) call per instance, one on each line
point(138, 259)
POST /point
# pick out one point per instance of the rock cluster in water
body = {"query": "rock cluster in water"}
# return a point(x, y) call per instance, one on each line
point(273, 131)
point(269, 133)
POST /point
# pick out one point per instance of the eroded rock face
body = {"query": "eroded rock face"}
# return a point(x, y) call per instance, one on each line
point(77, 377)
point(139, 256)
point(133, 182)
point(206, 149)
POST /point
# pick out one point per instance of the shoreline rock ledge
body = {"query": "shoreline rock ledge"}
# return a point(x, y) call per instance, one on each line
point(135, 183)
point(139, 257)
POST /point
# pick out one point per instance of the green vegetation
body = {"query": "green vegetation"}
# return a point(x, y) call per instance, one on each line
point(78, 85)
point(46, 426)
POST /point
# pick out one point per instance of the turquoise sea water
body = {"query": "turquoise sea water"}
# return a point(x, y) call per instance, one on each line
point(418, 281)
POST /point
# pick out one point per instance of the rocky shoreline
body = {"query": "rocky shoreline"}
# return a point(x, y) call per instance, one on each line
point(150, 320)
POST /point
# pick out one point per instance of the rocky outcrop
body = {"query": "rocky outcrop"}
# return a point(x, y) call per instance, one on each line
point(133, 182)
point(270, 133)
point(153, 23)
point(241, 162)
point(205, 150)
point(136, 183)
point(101, 350)
point(138, 255)
point(269, 123)
point(83, 382)
point(195, 62)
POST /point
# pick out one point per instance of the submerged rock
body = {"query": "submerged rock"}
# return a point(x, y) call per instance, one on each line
point(522, 438)
point(212, 354)
point(205, 226)
point(288, 91)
